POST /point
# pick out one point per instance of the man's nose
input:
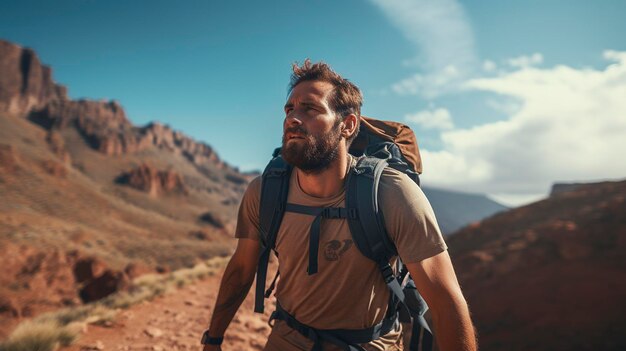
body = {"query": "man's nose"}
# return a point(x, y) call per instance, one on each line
point(292, 119)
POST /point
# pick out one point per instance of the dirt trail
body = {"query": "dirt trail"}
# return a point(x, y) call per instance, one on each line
point(175, 322)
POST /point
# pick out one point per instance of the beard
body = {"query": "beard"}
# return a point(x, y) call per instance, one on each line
point(314, 153)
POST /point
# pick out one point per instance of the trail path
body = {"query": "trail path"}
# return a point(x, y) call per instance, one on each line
point(175, 322)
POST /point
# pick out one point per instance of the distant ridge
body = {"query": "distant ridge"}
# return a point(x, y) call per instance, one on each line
point(455, 210)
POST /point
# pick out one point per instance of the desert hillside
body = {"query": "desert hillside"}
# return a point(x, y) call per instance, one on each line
point(550, 275)
point(82, 189)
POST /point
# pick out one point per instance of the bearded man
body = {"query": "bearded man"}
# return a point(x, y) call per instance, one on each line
point(346, 291)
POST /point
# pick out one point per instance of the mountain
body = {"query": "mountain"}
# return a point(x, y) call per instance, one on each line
point(550, 275)
point(88, 198)
point(455, 209)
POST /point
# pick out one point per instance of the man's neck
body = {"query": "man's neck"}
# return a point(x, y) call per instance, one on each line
point(328, 182)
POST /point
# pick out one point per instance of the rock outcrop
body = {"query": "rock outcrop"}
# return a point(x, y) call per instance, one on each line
point(155, 182)
point(33, 279)
point(25, 83)
point(103, 285)
point(559, 188)
point(87, 269)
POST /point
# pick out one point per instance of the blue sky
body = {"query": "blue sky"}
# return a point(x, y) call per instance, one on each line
point(505, 97)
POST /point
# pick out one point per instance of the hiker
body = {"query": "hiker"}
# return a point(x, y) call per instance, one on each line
point(330, 296)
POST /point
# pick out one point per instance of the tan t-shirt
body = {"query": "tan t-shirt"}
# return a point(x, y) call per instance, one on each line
point(348, 291)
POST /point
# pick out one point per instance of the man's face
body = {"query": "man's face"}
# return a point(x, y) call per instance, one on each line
point(311, 130)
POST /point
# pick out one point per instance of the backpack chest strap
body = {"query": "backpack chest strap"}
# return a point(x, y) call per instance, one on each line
point(314, 231)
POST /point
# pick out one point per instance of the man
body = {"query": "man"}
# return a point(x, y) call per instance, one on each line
point(347, 291)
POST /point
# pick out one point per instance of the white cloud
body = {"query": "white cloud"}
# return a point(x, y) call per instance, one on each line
point(508, 106)
point(489, 66)
point(432, 119)
point(526, 61)
point(430, 85)
point(570, 126)
point(443, 40)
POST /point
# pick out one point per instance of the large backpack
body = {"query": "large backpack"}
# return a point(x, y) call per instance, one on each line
point(382, 144)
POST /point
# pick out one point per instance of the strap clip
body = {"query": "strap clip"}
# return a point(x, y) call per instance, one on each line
point(387, 272)
point(331, 212)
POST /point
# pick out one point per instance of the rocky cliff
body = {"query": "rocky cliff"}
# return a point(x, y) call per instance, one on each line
point(25, 83)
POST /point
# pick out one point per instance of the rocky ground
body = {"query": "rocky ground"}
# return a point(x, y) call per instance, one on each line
point(176, 322)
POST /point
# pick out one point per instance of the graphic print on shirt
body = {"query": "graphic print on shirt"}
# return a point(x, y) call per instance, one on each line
point(334, 249)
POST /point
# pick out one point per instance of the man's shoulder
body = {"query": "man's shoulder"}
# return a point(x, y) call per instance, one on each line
point(394, 177)
point(397, 188)
point(254, 187)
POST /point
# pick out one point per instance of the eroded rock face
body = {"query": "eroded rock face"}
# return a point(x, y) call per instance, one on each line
point(33, 280)
point(104, 285)
point(36, 280)
point(155, 182)
point(86, 269)
point(25, 83)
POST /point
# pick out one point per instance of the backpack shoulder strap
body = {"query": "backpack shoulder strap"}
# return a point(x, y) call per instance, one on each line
point(274, 191)
point(371, 237)
point(367, 229)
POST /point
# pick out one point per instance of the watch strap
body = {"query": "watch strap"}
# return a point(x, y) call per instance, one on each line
point(208, 340)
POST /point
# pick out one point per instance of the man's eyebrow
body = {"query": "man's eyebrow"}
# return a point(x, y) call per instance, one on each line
point(311, 104)
point(303, 103)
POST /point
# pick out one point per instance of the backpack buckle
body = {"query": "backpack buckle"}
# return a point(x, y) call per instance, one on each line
point(387, 272)
point(331, 212)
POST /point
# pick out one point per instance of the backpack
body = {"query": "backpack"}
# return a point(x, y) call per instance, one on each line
point(383, 144)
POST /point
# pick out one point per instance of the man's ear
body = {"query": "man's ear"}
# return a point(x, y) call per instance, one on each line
point(349, 125)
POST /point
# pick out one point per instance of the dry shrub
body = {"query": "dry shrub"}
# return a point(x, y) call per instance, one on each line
point(41, 336)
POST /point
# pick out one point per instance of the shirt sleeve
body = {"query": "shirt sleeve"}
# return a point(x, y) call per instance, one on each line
point(409, 218)
point(248, 216)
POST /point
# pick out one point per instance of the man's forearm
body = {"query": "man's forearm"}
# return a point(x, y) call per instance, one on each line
point(233, 290)
point(453, 327)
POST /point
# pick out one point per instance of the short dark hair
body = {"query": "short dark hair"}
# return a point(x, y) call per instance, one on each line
point(346, 97)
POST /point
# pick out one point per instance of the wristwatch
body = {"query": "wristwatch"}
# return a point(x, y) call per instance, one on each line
point(207, 340)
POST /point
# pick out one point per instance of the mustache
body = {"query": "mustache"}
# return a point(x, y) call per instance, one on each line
point(296, 130)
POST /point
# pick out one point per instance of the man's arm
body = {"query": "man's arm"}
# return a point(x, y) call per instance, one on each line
point(236, 281)
point(436, 281)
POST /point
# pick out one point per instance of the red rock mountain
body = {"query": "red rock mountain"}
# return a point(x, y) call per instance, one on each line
point(25, 83)
point(80, 183)
point(550, 275)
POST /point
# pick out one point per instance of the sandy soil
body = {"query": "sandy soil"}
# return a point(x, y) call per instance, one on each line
point(176, 322)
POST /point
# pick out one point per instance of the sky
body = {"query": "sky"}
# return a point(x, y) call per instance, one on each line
point(506, 98)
